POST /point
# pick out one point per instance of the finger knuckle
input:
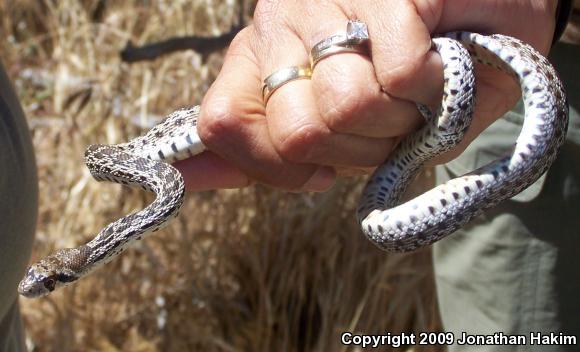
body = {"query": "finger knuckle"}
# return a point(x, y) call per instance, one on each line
point(341, 103)
point(396, 81)
point(298, 145)
point(241, 39)
point(219, 119)
point(266, 14)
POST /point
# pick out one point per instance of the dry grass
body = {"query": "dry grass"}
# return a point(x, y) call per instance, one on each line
point(248, 270)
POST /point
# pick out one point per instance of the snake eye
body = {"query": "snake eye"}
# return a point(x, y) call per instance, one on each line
point(50, 284)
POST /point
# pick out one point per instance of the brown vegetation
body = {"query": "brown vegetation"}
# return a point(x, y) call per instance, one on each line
point(246, 270)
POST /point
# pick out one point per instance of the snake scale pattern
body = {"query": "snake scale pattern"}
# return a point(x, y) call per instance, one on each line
point(145, 162)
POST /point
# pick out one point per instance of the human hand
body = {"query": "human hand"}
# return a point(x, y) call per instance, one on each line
point(354, 109)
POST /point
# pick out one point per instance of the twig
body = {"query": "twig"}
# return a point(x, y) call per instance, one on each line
point(200, 44)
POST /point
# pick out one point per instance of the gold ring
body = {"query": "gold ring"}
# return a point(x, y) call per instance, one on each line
point(351, 41)
point(283, 76)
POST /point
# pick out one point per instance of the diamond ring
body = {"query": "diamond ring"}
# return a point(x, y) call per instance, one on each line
point(352, 41)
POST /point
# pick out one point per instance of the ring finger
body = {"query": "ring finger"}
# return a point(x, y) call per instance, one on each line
point(297, 128)
point(349, 97)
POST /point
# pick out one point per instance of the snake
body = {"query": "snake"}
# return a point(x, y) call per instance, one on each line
point(387, 222)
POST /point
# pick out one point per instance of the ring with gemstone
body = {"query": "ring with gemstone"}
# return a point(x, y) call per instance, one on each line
point(351, 41)
point(283, 76)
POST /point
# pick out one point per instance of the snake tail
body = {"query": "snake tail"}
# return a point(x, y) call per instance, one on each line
point(439, 212)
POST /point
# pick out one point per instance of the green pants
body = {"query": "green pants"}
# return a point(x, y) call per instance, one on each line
point(514, 270)
point(18, 210)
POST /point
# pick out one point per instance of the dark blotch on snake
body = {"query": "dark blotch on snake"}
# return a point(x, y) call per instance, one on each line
point(65, 278)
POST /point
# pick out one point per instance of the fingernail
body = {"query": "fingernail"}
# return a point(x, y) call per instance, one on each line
point(322, 180)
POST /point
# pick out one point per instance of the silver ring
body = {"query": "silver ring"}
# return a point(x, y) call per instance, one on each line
point(283, 76)
point(351, 41)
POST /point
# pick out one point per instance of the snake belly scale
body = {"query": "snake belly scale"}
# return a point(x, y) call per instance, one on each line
point(145, 162)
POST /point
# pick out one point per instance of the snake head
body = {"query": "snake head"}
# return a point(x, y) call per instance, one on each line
point(37, 284)
point(45, 276)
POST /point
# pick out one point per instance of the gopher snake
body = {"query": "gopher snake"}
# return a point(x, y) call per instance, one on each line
point(144, 162)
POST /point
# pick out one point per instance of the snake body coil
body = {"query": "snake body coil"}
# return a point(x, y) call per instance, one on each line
point(442, 210)
point(418, 222)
